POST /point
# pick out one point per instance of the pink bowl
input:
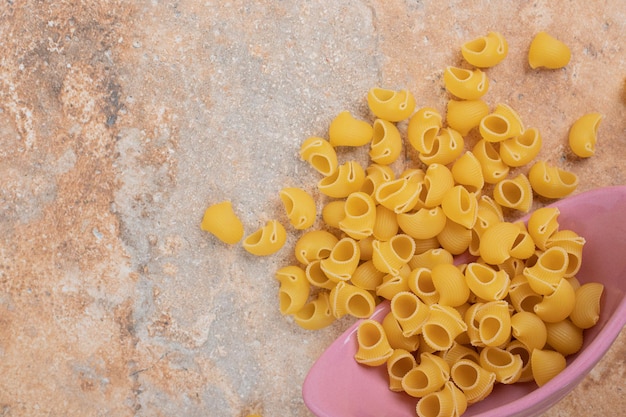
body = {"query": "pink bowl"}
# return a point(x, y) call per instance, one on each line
point(337, 386)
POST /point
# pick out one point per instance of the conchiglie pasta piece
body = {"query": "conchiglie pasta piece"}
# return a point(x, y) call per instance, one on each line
point(467, 171)
point(546, 274)
point(267, 240)
point(545, 365)
point(395, 337)
point(429, 376)
point(410, 312)
point(443, 326)
point(529, 329)
point(342, 260)
point(464, 115)
point(399, 363)
point(564, 337)
point(558, 305)
point(386, 143)
point(314, 245)
point(390, 105)
point(438, 180)
point(523, 298)
point(521, 150)
point(373, 346)
point(547, 51)
point(376, 175)
point(317, 277)
point(551, 181)
point(465, 84)
point(294, 289)
point(348, 178)
point(345, 130)
point(450, 283)
point(518, 348)
point(399, 195)
point(583, 134)
point(366, 276)
point(494, 323)
point(460, 206)
point(315, 314)
point(420, 281)
point(366, 248)
point(485, 51)
point(334, 212)
point(352, 300)
point(458, 352)
point(389, 256)
point(586, 310)
point(475, 381)
point(221, 221)
point(430, 258)
point(498, 241)
point(422, 224)
point(320, 154)
point(446, 147)
point(542, 224)
point(487, 283)
point(423, 127)
point(573, 245)
point(515, 193)
point(494, 169)
point(386, 223)
point(360, 216)
point(506, 366)
point(504, 123)
point(300, 207)
point(455, 238)
point(394, 283)
point(449, 401)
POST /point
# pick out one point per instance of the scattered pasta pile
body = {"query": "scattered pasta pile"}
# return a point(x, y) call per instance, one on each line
point(512, 311)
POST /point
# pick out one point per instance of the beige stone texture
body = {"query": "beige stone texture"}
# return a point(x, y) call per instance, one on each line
point(121, 121)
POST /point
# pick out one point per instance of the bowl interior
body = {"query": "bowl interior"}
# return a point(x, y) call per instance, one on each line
point(338, 386)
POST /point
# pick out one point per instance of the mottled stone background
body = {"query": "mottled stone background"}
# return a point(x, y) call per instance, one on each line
point(120, 122)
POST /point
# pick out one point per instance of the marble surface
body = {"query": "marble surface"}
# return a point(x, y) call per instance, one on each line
point(120, 122)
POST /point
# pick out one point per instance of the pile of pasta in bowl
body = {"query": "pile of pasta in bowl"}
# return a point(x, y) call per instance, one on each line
point(474, 300)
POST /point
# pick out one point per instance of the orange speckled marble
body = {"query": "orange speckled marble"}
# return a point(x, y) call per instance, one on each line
point(120, 122)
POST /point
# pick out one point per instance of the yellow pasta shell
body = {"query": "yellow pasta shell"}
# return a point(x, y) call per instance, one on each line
point(389, 256)
point(430, 258)
point(583, 134)
point(352, 300)
point(449, 401)
point(564, 337)
point(386, 224)
point(438, 180)
point(395, 337)
point(557, 306)
point(458, 352)
point(523, 298)
point(294, 289)
point(586, 310)
point(494, 323)
point(221, 221)
point(529, 329)
point(348, 178)
point(464, 115)
point(394, 283)
point(485, 51)
point(547, 51)
point(494, 169)
point(420, 281)
point(521, 150)
point(475, 381)
point(386, 143)
point(373, 346)
point(504, 123)
point(460, 206)
point(573, 245)
point(376, 175)
point(467, 171)
point(546, 274)
point(443, 326)
point(399, 195)
point(315, 314)
point(314, 245)
point(423, 127)
point(487, 283)
point(427, 377)
point(360, 216)
point(345, 130)
point(542, 224)
point(506, 366)
point(455, 238)
point(423, 223)
point(518, 348)
point(399, 363)
point(334, 212)
point(550, 181)
point(317, 277)
point(267, 240)
point(450, 283)
point(390, 105)
point(545, 365)
point(465, 84)
point(515, 193)
point(342, 260)
point(366, 276)
point(410, 312)
point(300, 207)
point(320, 154)
point(446, 147)
point(500, 240)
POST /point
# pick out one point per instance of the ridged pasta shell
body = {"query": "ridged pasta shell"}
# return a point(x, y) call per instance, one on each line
point(345, 130)
point(221, 221)
point(506, 366)
point(545, 365)
point(315, 314)
point(410, 312)
point(395, 337)
point(529, 329)
point(504, 123)
point(547, 51)
point(449, 401)
point(352, 300)
point(317, 277)
point(547, 272)
point(518, 348)
point(455, 238)
point(464, 115)
point(390, 105)
point(438, 180)
point(486, 282)
point(386, 224)
point(386, 143)
point(314, 245)
point(458, 352)
point(348, 178)
point(394, 283)
point(266, 240)
point(485, 51)
point(573, 245)
point(399, 195)
point(299, 206)
point(366, 276)
point(447, 146)
point(376, 175)
point(523, 298)
point(583, 134)
point(428, 376)
point(423, 223)
point(542, 224)
point(521, 150)
point(320, 154)
point(460, 206)
point(443, 326)
point(558, 305)
point(450, 283)
point(494, 169)
point(342, 261)
point(586, 310)
point(515, 193)
point(373, 346)
point(420, 281)
point(474, 380)
point(494, 323)
point(550, 181)
point(497, 241)
point(564, 337)
point(465, 84)
point(423, 127)
point(399, 363)
point(294, 289)
point(467, 171)
point(360, 216)
point(389, 256)
point(430, 258)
